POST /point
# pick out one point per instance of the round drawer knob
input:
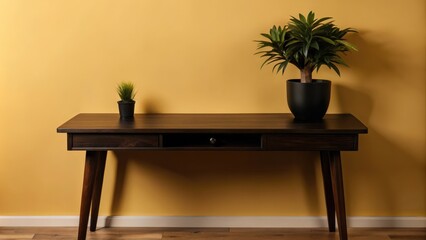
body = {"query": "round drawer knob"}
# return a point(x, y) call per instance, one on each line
point(213, 140)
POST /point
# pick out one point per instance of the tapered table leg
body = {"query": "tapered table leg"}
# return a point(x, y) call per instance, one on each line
point(338, 193)
point(97, 189)
point(86, 197)
point(328, 191)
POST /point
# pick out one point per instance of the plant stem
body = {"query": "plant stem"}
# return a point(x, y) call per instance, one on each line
point(306, 75)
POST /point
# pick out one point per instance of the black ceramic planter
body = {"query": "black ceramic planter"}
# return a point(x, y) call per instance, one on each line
point(308, 101)
point(126, 109)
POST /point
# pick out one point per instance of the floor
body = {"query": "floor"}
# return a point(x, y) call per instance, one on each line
point(213, 233)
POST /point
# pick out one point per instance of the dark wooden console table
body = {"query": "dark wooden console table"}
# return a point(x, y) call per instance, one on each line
point(98, 133)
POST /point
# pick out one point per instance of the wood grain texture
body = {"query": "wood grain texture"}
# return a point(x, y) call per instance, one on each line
point(224, 123)
point(338, 192)
point(311, 142)
point(97, 189)
point(87, 192)
point(328, 190)
point(109, 141)
point(192, 131)
point(49, 233)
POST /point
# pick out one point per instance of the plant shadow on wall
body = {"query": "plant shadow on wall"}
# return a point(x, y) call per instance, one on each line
point(218, 183)
point(374, 62)
point(380, 169)
point(152, 105)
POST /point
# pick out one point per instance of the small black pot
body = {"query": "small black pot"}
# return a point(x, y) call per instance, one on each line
point(308, 101)
point(126, 109)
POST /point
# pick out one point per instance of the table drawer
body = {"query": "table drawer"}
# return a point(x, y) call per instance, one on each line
point(311, 142)
point(95, 141)
point(212, 141)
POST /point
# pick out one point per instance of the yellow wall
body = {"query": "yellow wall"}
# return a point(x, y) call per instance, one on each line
point(60, 57)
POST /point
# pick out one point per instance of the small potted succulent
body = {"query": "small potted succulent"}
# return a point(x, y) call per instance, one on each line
point(307, 43)
point(126, 105)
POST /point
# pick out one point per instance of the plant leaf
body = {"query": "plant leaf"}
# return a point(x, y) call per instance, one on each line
point(348, 45)
point(326, 39)
point(302, 18)
point(311, 17)
point(334, 67)
point(305, 42)
point(266, 35)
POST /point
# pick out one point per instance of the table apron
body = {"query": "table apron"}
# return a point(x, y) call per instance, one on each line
point(311, 142)
point(222, 142)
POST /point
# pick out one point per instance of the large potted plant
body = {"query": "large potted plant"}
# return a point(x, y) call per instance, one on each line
point(126, 105)
point(307, 43)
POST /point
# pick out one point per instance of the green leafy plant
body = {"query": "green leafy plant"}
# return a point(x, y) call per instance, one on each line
point(307, 43)
point(126, 91)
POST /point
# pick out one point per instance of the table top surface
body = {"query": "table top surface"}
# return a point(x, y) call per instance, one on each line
point(225, 123)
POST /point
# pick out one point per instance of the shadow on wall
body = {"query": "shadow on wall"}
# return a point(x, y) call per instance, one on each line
point(389, 178)
point(381, 169)
point(373, 61)
point(354, 101)
point(190, 180)
point(151, 105)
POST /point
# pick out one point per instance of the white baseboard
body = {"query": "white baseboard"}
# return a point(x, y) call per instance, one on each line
point(211, 221)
